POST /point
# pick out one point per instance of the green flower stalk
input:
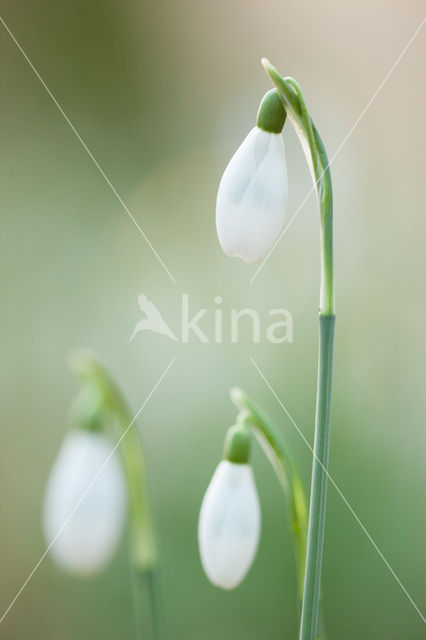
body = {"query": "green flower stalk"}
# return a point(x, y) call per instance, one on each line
point(100, 411)
point(297, 112)
point(279, 454)
point(99, 384)
point(250, 208)
point(229, 523)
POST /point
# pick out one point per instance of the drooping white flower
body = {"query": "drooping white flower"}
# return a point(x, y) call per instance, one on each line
point(229, 524)
point(88, 538)
point(252, 197)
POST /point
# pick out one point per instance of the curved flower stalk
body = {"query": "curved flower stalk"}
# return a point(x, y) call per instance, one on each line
point(100, 386)
point(293, 103)
point(229, 524)
point(230, 512)
point(278, 452)
point(101, 418)
point(253, 192)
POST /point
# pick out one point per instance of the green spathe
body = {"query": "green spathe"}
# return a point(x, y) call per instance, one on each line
point(271, 115)
point(86, 412)
point(237, 444)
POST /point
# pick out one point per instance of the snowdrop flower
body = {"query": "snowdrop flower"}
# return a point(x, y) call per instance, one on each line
point(252, 197)
point(229, 523)
point(88, 538)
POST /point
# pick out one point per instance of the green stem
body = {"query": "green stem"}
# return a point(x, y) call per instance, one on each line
point(317, 507)
point(294, 104)
point(144, 588)
point(142, 543)
point(278, 452)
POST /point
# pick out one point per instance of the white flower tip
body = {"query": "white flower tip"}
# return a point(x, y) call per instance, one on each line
point(84, 528)
point(229, 525)
point(252, 197)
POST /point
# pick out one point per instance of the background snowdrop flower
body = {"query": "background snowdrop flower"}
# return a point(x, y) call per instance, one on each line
point(91, 535)
point(253, 193)
point(229, 523)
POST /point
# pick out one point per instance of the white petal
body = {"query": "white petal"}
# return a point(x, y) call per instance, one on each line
point(252, 197)
point(91, 535)
point(229, 524)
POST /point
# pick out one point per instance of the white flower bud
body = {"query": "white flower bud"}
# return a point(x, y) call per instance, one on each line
point(91, 535)
point(252, 197)
point(229, 524)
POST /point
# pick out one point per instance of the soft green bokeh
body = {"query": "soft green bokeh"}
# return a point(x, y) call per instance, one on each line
point(162, 93)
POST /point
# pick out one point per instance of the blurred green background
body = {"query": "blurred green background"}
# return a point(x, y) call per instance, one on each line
point(162, 93)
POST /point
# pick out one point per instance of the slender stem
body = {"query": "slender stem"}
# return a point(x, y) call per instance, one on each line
point(138, 597)
point(144, 588)
point(317, 507)
point(294, 103)
point(142, 543)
